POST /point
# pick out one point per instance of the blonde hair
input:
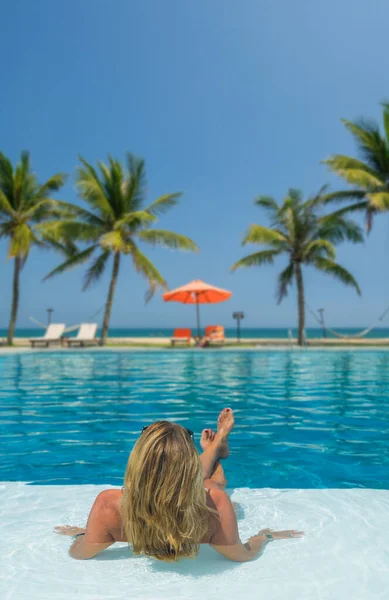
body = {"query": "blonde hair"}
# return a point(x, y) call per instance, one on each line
point(164, 509)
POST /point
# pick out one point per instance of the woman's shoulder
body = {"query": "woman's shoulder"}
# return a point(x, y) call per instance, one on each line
point(218, 497)
point(109, 499)
point(225, 525)
point(217, 501)
point(107, 510)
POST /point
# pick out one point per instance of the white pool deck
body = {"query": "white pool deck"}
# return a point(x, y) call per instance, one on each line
point(344, 555)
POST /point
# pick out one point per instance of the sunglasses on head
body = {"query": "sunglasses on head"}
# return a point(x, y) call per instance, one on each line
point(188, 431)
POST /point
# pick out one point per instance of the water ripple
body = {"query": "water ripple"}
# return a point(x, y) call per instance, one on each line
point(315, 419)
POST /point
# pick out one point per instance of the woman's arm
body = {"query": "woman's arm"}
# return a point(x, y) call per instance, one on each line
point(96, 536)
point(226, 540)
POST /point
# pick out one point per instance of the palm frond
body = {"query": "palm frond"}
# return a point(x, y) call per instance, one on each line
point(20, 241)
point(294, 196)
point(335, 229)
point(168, 239)
point(138, 218)
point(113, 240)
point(385, 117)
point(344, 196)
point(317, 199)
point(285, 279)
point(360, 177)
point(338, 163)
point(25, 186)
point(379, 201)
point(332, 268)
point(135, 183)
point(4, 230)
point(52, 185)
point(66, 210)
point(257, 259)
point(75, 260)
point(70, 230)
point(7, 179)
point(5, 205)
point(285, 220)
point(257, 234)
point(266, 202)
point(318, 248)
point(96, 269)
point(92, 190)
point(66, 247)
point(115, 186)
point(371, 144)
point(40, 208)
point(369, 218)
point(162, 204)
point(356, 207)
point(145, 267)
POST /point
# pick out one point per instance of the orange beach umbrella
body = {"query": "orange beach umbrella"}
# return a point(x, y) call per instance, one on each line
point(197, 292)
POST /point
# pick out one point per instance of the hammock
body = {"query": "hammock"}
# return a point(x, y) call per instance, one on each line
point(360, 334)
point(37, 322)
point(69, 329)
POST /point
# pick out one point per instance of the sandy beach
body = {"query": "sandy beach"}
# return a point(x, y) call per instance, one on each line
point(163, 342)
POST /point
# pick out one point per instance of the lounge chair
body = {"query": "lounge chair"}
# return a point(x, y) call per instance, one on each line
point(86, 336)
point(181, 336)
point(214, 334)
point(53, 335)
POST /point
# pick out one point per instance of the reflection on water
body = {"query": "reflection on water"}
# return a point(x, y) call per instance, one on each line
point(309, 419)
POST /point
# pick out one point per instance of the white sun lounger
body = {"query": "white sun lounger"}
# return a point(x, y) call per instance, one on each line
point(86, 335)
point(53, 335)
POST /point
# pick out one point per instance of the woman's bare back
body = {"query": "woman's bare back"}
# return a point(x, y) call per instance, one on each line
point(108, 505)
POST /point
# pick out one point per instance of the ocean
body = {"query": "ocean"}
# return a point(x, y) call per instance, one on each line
point(246, 332)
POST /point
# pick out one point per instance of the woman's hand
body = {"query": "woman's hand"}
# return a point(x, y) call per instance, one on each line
point(279, 535)
point(257, 542)
point(69, 530)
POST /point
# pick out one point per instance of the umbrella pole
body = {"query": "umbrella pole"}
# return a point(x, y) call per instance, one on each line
point(198, 317)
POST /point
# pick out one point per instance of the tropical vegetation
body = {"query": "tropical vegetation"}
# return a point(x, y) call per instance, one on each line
point(300, 231)
point(25, 206)
point(114, 219)
point(368, 174)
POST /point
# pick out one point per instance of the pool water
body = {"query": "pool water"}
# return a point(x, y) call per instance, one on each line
point(310, 419)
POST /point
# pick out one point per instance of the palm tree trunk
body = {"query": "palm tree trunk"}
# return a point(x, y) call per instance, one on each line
point(15, 300)
point(111, 291)
point(301, 303)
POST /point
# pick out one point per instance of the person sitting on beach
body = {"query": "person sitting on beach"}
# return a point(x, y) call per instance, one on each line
point(172, 500)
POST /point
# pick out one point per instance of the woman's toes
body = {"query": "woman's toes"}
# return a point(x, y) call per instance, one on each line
point(225, 421)
point(205, 438)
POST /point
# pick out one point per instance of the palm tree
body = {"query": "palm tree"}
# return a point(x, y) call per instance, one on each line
point(24, 203)
point(112, 223)
point(307, 238)
point(370, 173)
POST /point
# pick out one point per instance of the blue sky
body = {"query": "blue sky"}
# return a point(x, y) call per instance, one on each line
point(225, 100)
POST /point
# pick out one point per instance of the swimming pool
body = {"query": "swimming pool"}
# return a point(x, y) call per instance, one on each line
point(311, 419)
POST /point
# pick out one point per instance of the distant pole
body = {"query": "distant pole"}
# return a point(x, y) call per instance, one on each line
point(49, 311)
point(198, 317)
point(238, 316)
point(321, 313)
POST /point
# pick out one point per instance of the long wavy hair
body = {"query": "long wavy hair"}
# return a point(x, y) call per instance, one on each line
point(164, 509)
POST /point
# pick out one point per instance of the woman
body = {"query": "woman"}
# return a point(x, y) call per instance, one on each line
point(172, 500)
